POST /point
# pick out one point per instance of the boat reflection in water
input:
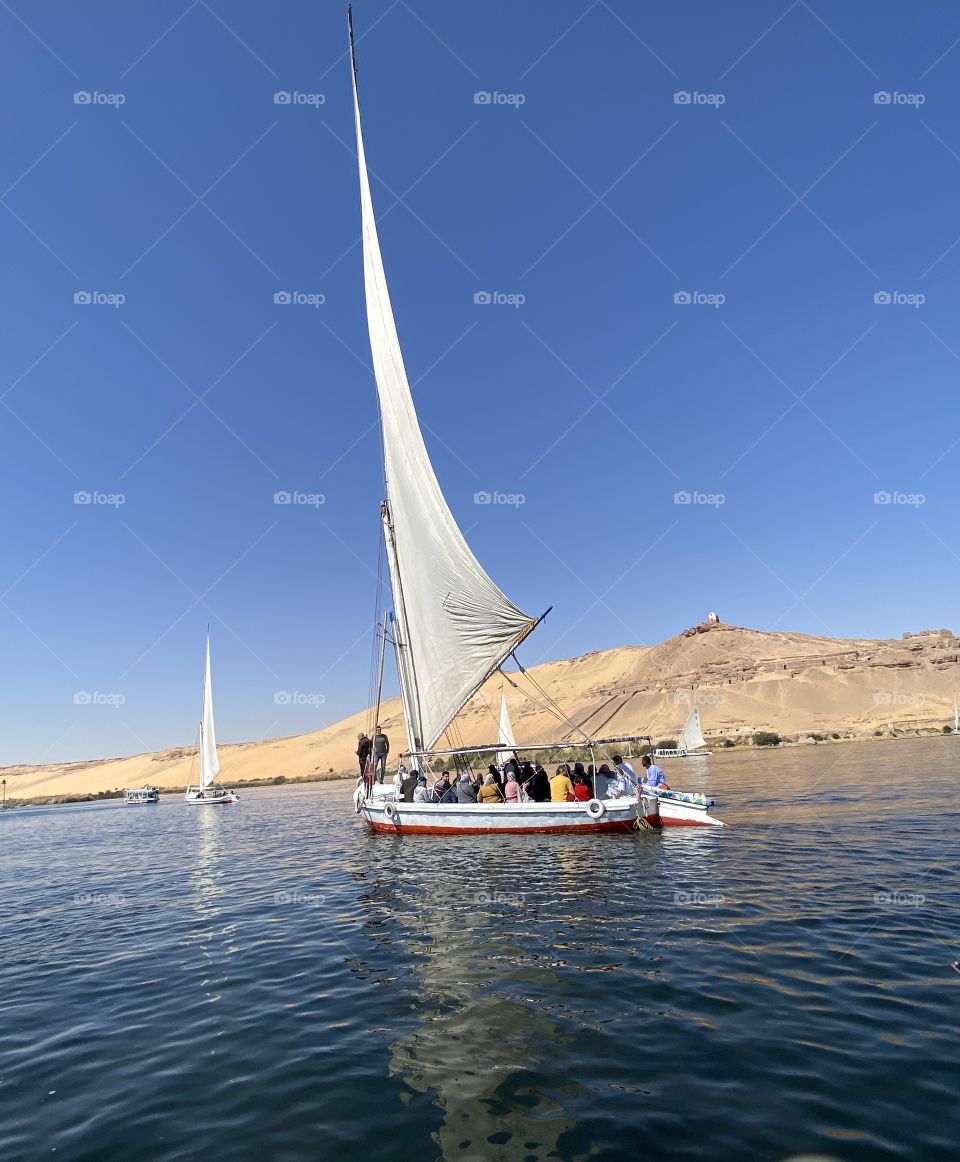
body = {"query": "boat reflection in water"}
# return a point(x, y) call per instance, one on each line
point(501, 1019)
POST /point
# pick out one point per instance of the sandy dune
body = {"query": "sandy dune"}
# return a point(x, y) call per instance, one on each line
point(744, 680)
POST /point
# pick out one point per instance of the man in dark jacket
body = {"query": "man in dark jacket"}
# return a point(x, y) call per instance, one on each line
point(364, 747)
point(408, 786)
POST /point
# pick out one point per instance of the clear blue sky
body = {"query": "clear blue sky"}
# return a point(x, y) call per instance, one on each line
point(782, 184)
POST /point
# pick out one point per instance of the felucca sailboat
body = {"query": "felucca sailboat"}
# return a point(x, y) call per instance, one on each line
point(451, 627)
point(691, 743)
point(208, 790)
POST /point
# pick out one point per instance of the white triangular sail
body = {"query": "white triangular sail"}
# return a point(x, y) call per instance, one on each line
point(691, 737)
point(209, 762)
point(505, 736)
point(458, 625)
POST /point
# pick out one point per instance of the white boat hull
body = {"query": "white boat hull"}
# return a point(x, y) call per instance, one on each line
point(210, 796)
point(676, 813)
point(613, 815)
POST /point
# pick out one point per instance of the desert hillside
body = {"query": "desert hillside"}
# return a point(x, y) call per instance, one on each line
point(743, 680)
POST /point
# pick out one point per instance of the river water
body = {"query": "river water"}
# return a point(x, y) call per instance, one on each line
point(268, 981)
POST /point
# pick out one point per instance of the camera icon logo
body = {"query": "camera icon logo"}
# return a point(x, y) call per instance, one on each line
point(282, 298)
point(482, 97)
point(482, 498)
point(682, 298)
point(81, 97)
point(281, 97)
point(282, 698)
point(482, 298)
point(682, 497)
point(282, 498)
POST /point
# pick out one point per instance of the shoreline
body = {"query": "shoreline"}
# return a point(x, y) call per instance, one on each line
point(67, 798)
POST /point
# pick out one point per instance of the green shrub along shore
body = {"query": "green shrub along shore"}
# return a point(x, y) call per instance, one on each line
point(760, 738)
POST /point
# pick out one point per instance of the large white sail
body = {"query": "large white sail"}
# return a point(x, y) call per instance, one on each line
point(457, 624)
point(505, 736)
point(209, 762)
point(691, 737)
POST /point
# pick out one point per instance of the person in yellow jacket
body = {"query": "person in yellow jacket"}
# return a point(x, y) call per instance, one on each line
point(561, 789)
point(490, 792)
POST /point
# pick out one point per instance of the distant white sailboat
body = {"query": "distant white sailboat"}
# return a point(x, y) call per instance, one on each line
point(208, 790)
point(506, 739)
point(691, 743)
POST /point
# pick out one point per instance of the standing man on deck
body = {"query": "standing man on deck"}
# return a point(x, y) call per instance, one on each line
point(364, 746)
point(381, 748)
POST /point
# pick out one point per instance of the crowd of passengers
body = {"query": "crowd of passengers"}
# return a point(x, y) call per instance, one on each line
point(524, 782)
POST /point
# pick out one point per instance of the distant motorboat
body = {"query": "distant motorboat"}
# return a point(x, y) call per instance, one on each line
point(208, 790)
point(138, 795)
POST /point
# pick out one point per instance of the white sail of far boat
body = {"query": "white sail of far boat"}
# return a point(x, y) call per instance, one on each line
point(505, 738)
point(208, 790)
point(691, 737)
point(451, 627)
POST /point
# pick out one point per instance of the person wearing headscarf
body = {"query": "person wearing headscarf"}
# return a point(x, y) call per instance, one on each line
point(582, 790)
point(604, 775)
point(490, 792)
point(538, 788)
point(466, 791)
point(511, 792)
point(421, 794)
point(497, 777)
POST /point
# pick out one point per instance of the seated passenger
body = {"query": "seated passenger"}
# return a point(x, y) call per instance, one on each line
point(561, 789)
point(466, 791)
point(653, 776)
point(441, 786)
point(537, 786)
point(604, 776)
point(490, 792)
point(408, 785)
point(497, 777)
point(420, 792)
point(450, 794)
point(511, 792)
point(581, 788)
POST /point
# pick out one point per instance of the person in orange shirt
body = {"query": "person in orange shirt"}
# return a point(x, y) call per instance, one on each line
point(561, 789)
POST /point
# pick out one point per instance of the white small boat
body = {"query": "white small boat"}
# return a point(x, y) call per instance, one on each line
point(691, 743)
point(208, 790)
point(139, 795)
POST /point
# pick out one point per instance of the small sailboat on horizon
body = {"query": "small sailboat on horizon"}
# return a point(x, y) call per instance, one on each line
point(691, 743)
point(208, 790)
